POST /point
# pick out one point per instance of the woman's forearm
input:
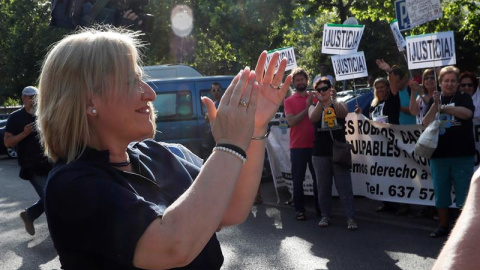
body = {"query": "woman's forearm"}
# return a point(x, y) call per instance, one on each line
point(457, 111)
point(182, 232)
point(247, 184)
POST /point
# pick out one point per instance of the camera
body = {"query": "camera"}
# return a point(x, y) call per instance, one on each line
point(138, 7)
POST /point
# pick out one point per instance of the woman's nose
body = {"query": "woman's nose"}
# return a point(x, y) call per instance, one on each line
point(148, 93)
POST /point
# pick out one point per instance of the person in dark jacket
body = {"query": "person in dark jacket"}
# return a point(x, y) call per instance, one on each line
point(115, 203)
point(20, 131)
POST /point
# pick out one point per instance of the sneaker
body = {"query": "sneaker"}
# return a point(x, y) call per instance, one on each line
point(440, 232)
point(28, 223)
point(352, 224)
point(324, 222)
point(300, 216)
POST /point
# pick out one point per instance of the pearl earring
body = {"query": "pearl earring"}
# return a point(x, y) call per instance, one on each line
point(94, 111)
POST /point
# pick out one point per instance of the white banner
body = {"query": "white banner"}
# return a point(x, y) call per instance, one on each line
point(288, 53)
point(349, 66)
point(341, 38)
point(401, 43)
point(422, 11)
point(384, 165)
point(431, 50)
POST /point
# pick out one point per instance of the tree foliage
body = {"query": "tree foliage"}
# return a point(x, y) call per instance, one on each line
point(228, 34)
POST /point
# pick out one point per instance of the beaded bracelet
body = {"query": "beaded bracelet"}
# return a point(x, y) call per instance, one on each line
point(232, 149)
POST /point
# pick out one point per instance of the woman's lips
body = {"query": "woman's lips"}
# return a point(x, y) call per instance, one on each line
point(144, 110)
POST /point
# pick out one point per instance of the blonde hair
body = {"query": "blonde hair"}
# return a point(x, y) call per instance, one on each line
point(91, 62)
point(375, 99)
point(448, 70)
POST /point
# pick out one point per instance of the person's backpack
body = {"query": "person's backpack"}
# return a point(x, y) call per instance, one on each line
point(72, 13)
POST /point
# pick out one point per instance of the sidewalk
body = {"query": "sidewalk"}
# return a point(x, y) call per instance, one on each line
point(364, 209)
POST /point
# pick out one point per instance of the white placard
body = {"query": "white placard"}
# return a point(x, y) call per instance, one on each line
point(422, 11)
point(385, 166)
point(431, 50)
point(349, 66)
point(341, 38)
point(288, 53)
point(401, 43)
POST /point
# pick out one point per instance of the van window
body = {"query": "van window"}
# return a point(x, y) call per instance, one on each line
point(206, 93)
point(173, 104)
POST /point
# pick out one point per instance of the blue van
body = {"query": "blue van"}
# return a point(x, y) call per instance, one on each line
point(180, 112)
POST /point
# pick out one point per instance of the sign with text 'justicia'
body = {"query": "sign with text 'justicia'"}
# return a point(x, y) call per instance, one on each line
point(401, 43)
point(431, 50)
point(288, 53)
point(341, 38)
point(349, 66)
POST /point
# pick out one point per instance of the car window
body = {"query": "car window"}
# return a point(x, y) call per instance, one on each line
point(173, 104)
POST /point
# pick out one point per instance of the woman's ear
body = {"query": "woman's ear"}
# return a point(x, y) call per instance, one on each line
point(91, 109)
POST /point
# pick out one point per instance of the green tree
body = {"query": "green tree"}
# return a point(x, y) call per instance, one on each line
point(228, 34)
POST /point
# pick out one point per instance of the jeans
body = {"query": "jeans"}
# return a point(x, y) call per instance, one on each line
point(36, 210)
point(300, 158)
point(327, 171)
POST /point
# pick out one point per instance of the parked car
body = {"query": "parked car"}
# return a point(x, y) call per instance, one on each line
point(180, 112)
point(361, 97)
point(11, 152)
point(169, 71)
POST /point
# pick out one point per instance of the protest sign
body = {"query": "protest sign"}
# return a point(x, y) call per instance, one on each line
point(341, 38)
point(431, 50)
point(402, 15)
point(288, 53)
point(349, 66)
point(422, 11)
point(384, 168)
point(401, 43)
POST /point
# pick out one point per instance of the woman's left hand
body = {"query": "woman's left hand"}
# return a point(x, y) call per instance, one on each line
point(271, 90)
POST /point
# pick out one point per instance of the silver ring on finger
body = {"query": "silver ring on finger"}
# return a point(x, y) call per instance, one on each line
point(276, 87)
point(243, 103)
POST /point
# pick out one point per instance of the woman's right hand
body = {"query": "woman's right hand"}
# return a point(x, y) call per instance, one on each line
point(415, 86)
point(233, 122)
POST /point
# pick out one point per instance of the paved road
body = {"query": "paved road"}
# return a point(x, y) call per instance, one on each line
point(269, 239)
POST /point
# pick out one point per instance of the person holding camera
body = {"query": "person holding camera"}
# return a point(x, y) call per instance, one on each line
point(34, 166)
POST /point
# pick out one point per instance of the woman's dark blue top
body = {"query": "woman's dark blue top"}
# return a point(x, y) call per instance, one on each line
point(96, 214)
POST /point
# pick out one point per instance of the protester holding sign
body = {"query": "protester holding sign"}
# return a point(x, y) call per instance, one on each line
point(453, 160)
point(385, 105)
point(468, 84)
point(329, 119)
point(420, 106)
point(398, 83)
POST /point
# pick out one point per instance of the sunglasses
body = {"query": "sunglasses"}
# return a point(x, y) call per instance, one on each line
point(432, 78)
point(323, 89)
point(466, 84)
point(216, 90)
